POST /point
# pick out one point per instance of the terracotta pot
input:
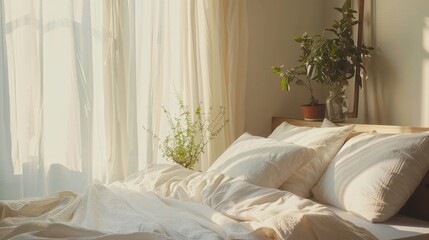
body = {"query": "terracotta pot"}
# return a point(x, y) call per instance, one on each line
point(314, 112)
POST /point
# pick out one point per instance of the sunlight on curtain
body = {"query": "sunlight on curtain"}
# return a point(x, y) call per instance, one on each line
point(158, 75)
point(214, 60)
point(83, 78)
point(200, 52)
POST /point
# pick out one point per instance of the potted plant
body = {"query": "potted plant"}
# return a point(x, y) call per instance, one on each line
point(312, 111)
point(330, 60)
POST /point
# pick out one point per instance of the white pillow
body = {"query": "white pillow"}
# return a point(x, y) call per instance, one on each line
point(325, 141)
point(261, 161)
point(327, 123)
point(373, 175)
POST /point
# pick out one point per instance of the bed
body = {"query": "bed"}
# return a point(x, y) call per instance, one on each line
point(412, 222)
point(252, 191)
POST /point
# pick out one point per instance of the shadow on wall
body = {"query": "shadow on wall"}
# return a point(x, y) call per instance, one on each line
point(425, 74)
point(374, 90)
point(397, 90)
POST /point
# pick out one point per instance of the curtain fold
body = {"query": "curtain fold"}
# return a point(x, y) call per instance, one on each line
point(116, 59)
point(214, 60)
point(6, 167)
point(81, 78)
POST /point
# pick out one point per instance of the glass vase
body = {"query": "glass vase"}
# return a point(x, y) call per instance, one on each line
point(337, 106)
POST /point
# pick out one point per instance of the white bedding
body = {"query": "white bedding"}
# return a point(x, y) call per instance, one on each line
point(398, 227)
point(170, 202)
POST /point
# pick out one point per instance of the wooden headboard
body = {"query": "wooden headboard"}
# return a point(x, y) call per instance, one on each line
point(418, 204)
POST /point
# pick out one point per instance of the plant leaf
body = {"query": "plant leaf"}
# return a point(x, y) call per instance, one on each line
point(347, 5)
point(300, 82)
point(298, 39)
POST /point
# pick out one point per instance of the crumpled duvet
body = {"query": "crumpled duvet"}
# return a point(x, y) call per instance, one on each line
point(171, 202)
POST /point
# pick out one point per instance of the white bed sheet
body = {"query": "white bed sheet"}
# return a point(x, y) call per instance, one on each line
point(398, 227)
point(171, 202)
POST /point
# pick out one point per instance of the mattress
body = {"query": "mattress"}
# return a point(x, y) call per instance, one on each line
point(398, 227)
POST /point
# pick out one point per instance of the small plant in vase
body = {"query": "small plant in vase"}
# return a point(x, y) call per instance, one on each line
point(190, 132)
point(330, 61)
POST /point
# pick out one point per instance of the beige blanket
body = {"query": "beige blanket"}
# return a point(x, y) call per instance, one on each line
point(170, 202)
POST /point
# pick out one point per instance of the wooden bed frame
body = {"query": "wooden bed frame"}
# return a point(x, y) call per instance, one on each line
point(418, 204)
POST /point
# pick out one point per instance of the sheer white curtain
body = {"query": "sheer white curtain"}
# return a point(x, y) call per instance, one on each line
point(214, 58)
point(80, 78)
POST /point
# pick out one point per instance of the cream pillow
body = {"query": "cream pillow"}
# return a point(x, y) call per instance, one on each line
point(327, 123)
point(373, 175)
point(261, 161)
point(325, 141)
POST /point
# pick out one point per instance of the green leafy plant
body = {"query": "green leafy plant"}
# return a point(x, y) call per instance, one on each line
point(190, 132)
point(331, 60)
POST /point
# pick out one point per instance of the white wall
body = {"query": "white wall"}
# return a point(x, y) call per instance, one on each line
point(397, 90)
point(272, 26)
point(401, 62)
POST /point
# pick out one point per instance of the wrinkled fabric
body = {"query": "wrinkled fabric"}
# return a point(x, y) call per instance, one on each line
point(171, 202)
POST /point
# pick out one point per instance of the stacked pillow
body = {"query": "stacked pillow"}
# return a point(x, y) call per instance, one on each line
point(262, 161)
point(326, 142)
point(373, 175)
